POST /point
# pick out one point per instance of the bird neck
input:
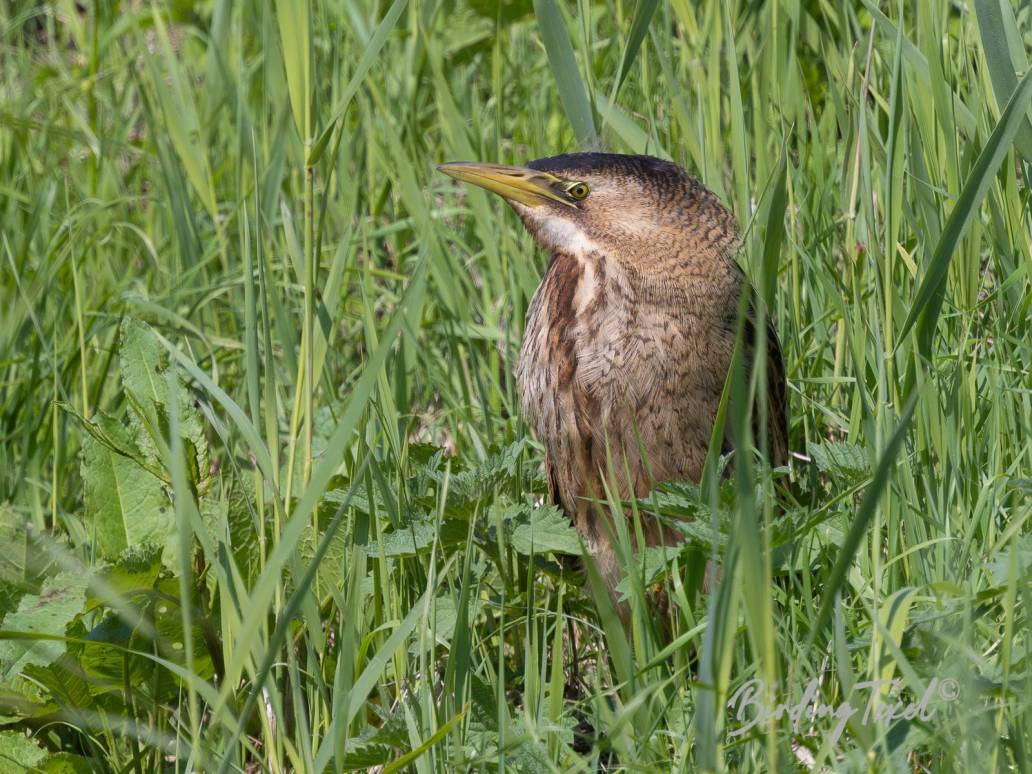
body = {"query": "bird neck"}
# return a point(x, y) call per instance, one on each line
point(679, 282)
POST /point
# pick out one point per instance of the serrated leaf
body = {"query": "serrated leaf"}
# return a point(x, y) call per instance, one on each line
point(418, 537)
point(21, 697)
point(442, 616)
point(126, 506)
point(62, 682)
point(66, 763)
point(650, 566)
point(366, 757)
point(19, 753)
point(999, 563)
point(839, 458)
point(134, 572)
point(119, 439)
point(234, 518)
point(545, 529)
point(144, 365)
point(16, 559)
point(470, 486)
point(45, 615)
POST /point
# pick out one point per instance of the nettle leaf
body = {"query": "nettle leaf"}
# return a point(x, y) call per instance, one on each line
point(359, 500)
point(840, 459)
point(104, 661)
point(62, 681)
point(19, 753)
point(700, 533)
point(442, 617)
point(120, 439)
point(467, 487)
point(418, 537)
point(46, 614)
point(16, 559)
point(365, 757)
point(684, 501)
point(231, 515)
point(126, 505)
point(171, 637)
point(133, 574)
point(106, 656)
point(999, 564)
point(377, 745)
point(66, 763)
point(650, 567)
point(539, 530)
point(145, 365)
point(21, 697)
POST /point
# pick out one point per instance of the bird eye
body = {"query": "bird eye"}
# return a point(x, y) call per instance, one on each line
point(578, 191)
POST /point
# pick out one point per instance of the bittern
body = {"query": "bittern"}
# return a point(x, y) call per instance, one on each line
point(629, 337)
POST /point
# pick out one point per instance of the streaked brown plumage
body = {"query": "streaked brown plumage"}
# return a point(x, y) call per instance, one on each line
point(630, 334)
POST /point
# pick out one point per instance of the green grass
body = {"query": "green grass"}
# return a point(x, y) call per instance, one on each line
point(266, 500)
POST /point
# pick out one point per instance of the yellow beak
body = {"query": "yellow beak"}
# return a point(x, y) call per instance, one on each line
point(519, 184)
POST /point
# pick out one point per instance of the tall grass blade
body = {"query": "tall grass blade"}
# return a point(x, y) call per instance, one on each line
point(564, 69)
point(372, 48)
point(862, 520)
point(295, 40)
point(643, 13)
point(929, 297)
point(1002, 67)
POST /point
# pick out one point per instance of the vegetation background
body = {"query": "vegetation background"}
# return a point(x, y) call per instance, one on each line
point(267, 504)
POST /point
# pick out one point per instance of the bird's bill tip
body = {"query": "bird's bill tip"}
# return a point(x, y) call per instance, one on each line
point(519, 184)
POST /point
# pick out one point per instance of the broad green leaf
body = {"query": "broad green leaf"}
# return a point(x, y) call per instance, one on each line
point(126, 506)
point(419, 536)
point(66, 763)
point(546, 529)
point(999, 563)
point(839, 458)
point(650, 566)
point(19, 753)
point(469, 486)
point(112, 433)
point(134, 573)
point(144, 365)
point(442, 616)
point(564, 70)
point(16, 557)
point(48, 614)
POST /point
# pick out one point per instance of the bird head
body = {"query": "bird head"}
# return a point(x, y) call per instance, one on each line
point(636, 207)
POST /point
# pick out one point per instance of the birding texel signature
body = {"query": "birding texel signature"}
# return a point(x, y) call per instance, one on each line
point(753, 704)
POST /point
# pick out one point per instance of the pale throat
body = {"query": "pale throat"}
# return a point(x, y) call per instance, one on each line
point(557, 234)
